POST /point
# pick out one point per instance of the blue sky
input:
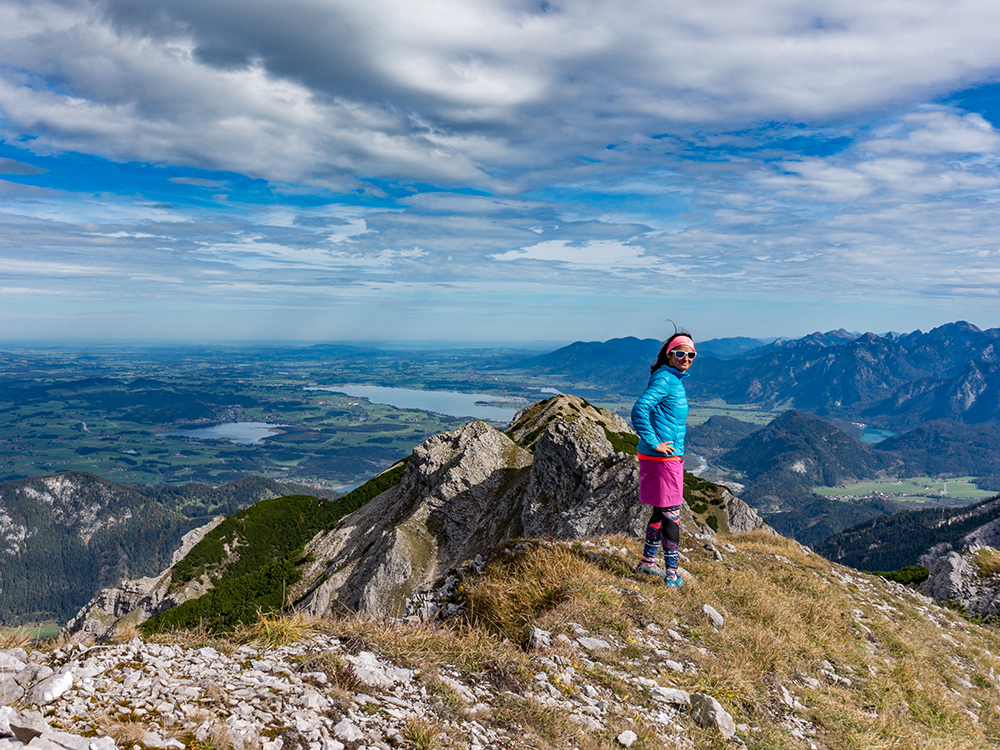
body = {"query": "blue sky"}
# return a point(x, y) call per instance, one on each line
point(495, 171)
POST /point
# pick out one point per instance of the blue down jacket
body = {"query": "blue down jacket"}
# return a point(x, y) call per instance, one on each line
point(660, 414)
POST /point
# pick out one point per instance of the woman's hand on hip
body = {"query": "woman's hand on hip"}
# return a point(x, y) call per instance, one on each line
point(667, 448)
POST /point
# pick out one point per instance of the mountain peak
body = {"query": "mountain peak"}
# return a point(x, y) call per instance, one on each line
point(528, 424)
point(461, 493)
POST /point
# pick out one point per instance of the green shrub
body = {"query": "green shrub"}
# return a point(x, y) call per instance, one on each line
point(265, 544)
point(623, 442)
point(909, 574)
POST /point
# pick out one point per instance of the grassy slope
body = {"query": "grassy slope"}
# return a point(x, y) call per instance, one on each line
point(915, 671)
point(910, 674)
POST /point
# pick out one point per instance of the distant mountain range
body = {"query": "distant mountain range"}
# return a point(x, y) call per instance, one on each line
point(972, 396)
point(622, 362)
point(782, 462)
point(830, 338)
point(893, 381)
point(730, 347)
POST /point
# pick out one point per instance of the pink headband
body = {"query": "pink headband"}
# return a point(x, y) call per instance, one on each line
point(680, 341)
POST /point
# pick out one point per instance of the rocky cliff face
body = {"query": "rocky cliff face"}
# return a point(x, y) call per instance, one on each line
point(462, 494)
point(467, 491)
point(135, 601)
point(967, 573)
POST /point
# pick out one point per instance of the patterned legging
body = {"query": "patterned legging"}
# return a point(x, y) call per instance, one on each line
point(664, 526)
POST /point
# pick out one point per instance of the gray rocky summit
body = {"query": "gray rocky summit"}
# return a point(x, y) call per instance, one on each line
point(467, 491)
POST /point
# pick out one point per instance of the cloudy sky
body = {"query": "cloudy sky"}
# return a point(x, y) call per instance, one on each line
point(496, 170)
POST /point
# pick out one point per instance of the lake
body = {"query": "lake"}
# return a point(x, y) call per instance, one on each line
point(452, 403)
point(872, 435)
point(240, 433)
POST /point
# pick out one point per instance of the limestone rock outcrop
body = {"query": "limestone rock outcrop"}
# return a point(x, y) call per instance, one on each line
point(579, 486)
point(967, 578)
point(962, 573)
point(135, 601)
point(459, 493)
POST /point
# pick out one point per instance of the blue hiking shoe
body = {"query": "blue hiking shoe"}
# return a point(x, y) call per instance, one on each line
point(650, 569)
point(673, 580)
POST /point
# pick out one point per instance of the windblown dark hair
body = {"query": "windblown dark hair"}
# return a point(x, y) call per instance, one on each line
point(661, 358)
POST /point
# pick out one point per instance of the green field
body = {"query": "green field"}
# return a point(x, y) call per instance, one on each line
point(701, 411)
point(329, 438)
point(911, 489)
point(106, 412)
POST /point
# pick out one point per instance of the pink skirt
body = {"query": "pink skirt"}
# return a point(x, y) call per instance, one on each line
point(661, 483)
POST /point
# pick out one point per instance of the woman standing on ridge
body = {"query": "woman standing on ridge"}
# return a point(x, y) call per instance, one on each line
point(659, 417)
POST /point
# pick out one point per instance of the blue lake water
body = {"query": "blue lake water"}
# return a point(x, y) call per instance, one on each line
point(872, 435)
point(451, 403)
point(240, 433)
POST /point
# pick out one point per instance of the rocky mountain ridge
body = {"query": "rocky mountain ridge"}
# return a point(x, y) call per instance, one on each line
point(768, 646)
point(65, 536)
point(563, 471)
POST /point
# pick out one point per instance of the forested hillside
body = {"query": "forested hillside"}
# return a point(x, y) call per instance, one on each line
point(65, 536)
point(894, 542)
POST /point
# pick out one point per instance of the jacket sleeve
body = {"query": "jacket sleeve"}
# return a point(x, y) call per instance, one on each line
point(654, 393)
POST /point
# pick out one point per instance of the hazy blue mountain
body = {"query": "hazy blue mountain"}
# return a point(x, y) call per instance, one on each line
point(947, 349)
point(817, 338)
point(947, 447)
point(795, 452)
point(836, 373)
point(972, 396)
point(717, 434)
point(617, 365)
point(728, 348)
point(820, 379)
point(808, 448)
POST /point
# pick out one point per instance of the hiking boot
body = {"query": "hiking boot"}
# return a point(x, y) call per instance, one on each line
point(650, 569)
point(675, 581)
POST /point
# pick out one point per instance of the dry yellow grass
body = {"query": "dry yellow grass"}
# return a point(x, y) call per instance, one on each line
point(197, 638)
point(988, 561)
point(16, 638)
point(421, 645)
point(274, 629)
point(919, 676)
point(786, 613)
point(124, 732)
point(421, 734)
